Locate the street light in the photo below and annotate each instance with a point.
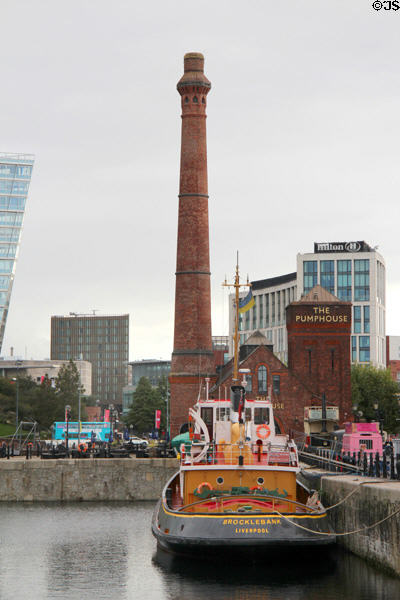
(67, 418)
(378, 415)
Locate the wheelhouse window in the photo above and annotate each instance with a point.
(261, 415)
(262, 379)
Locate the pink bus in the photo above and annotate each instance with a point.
(362, 436)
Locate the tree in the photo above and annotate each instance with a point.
(68, 387)
(370, 385)
(146, 400)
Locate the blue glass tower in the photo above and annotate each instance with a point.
(15, 176)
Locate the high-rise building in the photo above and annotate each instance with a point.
(351, 271)
(15, 176)
(101, 340)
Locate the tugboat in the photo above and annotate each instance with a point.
(237, 488)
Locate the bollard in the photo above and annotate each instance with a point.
(354, 459)
(398, 469)
(377, 465)
(371, 465)
(8, 452)
(384, 466)
(392, 471)
(365, 465)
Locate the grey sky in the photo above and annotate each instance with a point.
(303, 146)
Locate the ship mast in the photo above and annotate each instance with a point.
(236, 285)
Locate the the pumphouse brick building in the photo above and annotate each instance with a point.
(319, 329)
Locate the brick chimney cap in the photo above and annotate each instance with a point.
(193, 61)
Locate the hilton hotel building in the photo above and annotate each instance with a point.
(352, 271)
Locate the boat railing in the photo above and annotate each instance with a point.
(274, 500)
(244, 453)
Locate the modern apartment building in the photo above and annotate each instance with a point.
(352, 271)
(152, 369)
(15, 176)
(101, 340)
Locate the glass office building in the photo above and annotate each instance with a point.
(15, 177)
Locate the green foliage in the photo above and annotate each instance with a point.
(6, 430)
(68, 388)
(146, 400)
(42, 403)
(370, 385)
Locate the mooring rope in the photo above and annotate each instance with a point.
(337, 504)
(355, 490)
(342, 533)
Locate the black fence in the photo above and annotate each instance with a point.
(386, 466)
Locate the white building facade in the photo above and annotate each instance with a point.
(352, 271)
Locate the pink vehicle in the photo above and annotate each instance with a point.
(362, 436)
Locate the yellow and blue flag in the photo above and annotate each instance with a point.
(246, 303)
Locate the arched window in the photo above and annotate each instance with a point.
(203, 100)
(186, 100)
(262, 379)
(195, 99)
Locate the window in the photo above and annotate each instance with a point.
(249, 386)
(273, 308)
(247, 320)
(328, 275)
(364, 348)
(276, 384)
(344, 280)
(361, 279)
(357, 319)
(266, 310)
(260, 311)
(310, 273)
(354, 348)
(261, 416)
(366, 319)
(262, 379)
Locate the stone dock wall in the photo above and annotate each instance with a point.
(372, 501)
(84, 480)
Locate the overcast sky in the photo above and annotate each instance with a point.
(303, 146)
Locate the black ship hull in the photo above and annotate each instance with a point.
(235, 533)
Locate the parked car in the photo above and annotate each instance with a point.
(137, 441)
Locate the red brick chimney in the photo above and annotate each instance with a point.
(192, 357)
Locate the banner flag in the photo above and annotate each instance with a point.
(246, 303)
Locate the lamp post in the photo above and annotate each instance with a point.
(167, 402)
(111, 409)
(379, 417)
(357, 413)
(67, 418)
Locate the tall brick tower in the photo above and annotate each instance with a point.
(192, 357)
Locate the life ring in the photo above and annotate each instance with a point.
(256, 487)
(199, 488)
(183, 451)
(82, 448)
(190, 427)
(263, 431)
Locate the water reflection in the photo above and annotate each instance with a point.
(338, 576)
(103, 551)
